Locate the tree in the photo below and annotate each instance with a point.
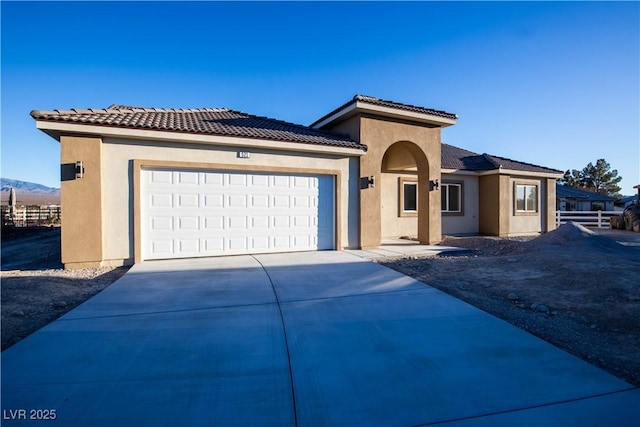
(598, 178)
(571, 179)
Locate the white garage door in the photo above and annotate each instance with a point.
(192, 214)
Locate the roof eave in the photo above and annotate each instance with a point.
(503, 171)
(56, 129)
(357, 106)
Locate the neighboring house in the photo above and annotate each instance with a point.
(574, 199)
(623, 203)
(145, 183)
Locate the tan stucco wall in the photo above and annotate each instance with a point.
(118, 189)
(424, 144)
(81, 201)
(528, 224)
(495, 210)
(550, 223)
(498, 216)
(394, 225)
(469, 223)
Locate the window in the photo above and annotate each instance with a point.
(410, 196)
(526, 198)
(451, 197)
(597, 206)
(408, 200)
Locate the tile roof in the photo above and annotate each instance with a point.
(565, 191)
(391, 104)
(205, 121)
(406, 107)
(460, 159)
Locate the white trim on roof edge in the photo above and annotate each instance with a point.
(513, 172)
(365, 107)
(154, 135)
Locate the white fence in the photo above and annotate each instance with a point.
(30, 216)
(598, 219)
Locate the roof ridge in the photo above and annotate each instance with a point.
(493, 161)
(298, 125)
(492, 156)
(460, 148)
(165, 110)
(400, 104)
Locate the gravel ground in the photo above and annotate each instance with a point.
(32, 299)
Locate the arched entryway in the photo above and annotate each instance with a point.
(404, 192)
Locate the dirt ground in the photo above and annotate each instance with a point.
(578, 290)
(35, 288)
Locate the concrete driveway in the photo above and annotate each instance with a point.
(317, 338)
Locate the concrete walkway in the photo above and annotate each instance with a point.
(318, 338)
(403, 247)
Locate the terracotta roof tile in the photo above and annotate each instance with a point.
(460, 159)
(206, 121)
(505, 163)
(391, 104)
(406, 107)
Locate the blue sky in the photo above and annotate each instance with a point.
(555, 84)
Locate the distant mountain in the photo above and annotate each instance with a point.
(28, 193)
(30, 187)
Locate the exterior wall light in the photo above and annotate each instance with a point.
(79, 169)
(367, 182)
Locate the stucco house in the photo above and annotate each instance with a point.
(575, 199)
(146, 183)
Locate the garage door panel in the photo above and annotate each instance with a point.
(213, 179)
(161, 177)
(260, 181)
(158, 200)
(213, 201)
(237, 180)
(161, 223)
(301, 202)
(280, 181)
(161, 247)
(213, 223)
(280, 201)
(260, 243)
(237, 201)
(280, 221)
(186, 178)
(238, 243)
(213, 245)
(259, 201)
(188, 200)
(301, 241)
(189, 213)
(189, 223)
(303, 221)
(188, 246)
(260, 222)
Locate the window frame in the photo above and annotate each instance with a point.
(446, 184)
(536, 186)
(402, 181)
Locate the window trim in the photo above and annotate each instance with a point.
(402, 181)
(442, 188)
(526, 212)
